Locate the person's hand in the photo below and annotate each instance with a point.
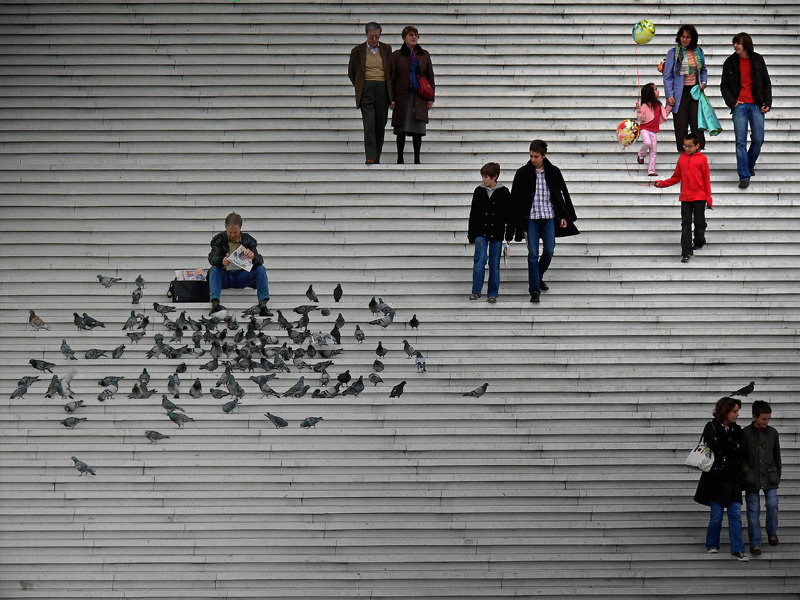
(702, 86)
(430, 104)
(737, 104)
(249, 254)
(563, 223)
(391, 106)
(765, 109)
(225, 261)
(671, 101)
(657, 184)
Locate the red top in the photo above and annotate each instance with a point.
(692, 171)
(745, 94)
(652, 125)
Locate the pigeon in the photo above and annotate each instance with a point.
(177, 335)
(267, 390)
(57, 386)
(155, 437)
(181, 368)
(302, 392)
(283, 322)
(79, 322)
(132, 321)
(211, 365)
(109, 380)
(330, 353)
(178, 418)
(385, 308)
(295, 388)
(345, 377)
(339, 322)
(28, 380)
(229, 406)
(219, 394)
(337, 292)
(478, 391)
(384, 321)
(235, 389)
(135, 336)
(163, 309)
(42, 365)
(397, 390)
(174, 385)
(375, 379)
(321, 338)
(82, 467)
(72, 421)
(359, 334)
(106, 394)
(414, 322)
(310, 422)
(67, 351)
(420, 362)
(311, 295)
(168, 405)
(139, 281)
(53, 388)
(373, 306)
(322, 366)
(378, 366)
(355, 388)
(324, 379)
(180, 322)
(94, 353)
(117, 352)
(301, 364)
(258, 379)
(144, 323)
(409, 349)
(91, 322)
(325, 311)
(107, 282)
(302, 322)
(304, 309)
(196, 391)
(36, 322)
(19, 392)
(336, 335)
(744, 391)
(136, 295)
(381, 351)
(331, 392)
(277, 421)
(225, 378)
(73, 406)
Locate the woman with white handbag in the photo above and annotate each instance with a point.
(721, 487)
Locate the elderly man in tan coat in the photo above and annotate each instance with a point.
(371, 70)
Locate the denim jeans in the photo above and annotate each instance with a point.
(491, 250)
(746, 159)
(219, 279)
(537, 267)
(734, 526)
(753, 513)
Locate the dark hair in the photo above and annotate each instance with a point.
(745, 40)
(649, 96)
(761, 408)
(491, 170)
(233, 219)
(407, 29)
(724, 406)
(692, 31)
(539, 146)
(372, 26)
(692, 136)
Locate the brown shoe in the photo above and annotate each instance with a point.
(773, 540)
(755, 550)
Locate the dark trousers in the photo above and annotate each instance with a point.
(686, 118)
(374, 113)
(693, 210)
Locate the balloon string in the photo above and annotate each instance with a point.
(627, 166)
(636, 54)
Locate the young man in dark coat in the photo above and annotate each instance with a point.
(225, 274)
(747, 90)
(542, 210)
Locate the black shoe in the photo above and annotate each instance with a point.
(697, 246)
(773, 539)
(264, 312)
(686, 258)
(535, 298)
(400, 160)
(474, 296)
(543, 286)
(755, 550)
(744, 184)
(752, 172)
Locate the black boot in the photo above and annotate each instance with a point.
(417, 141)
(401, 143)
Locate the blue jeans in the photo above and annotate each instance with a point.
(753, 513)
(494, 249)
(734, 526)
(537, 267)
(746, 159)
(219, 279)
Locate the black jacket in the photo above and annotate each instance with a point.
(731, 83)
(489, 216)
(763, 467)
(522, 191)
(723, 483)
(220, 248)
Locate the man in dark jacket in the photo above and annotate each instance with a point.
(542, 210)
(371, 70)
(747, 90)
(225, 273)
(761, 472)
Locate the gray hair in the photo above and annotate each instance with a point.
(372, 26)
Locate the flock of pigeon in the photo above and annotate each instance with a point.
(234, 348)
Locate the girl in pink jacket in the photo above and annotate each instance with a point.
(651, 113)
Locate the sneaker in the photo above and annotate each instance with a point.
(491, 300)
(744, 183)
(686, 258)
(713, 550)
(535, 298)
(755, 550)
(216, 308)
(741, 556)
(543, 286)
(773, 539)
(640, 160)
(474, 296)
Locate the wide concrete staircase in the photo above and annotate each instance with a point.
(130, 130)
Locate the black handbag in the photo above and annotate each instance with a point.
(189, 291)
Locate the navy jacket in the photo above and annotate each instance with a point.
(220, 248)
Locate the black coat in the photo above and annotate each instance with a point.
(731, 82)
(489, 216)
(522, 191)
(220, 248)
(402, 82)
(723, 483)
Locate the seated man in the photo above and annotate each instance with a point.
(224, 274)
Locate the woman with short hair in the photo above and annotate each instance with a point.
(685, 67)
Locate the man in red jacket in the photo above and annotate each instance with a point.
(693, 173)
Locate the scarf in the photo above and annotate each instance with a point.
(414, 67)
(682, 66)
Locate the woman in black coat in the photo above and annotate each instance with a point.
(721, 487)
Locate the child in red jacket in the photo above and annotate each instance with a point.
(693, 173)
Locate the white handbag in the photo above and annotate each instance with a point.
(701, 458)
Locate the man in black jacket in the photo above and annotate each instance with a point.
(226, 274)
(747, 90)
(542, 210)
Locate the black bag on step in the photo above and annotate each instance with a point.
(189, 291)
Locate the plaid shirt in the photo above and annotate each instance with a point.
(541, 208)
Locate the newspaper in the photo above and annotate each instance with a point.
(238, 259)
(506, 253)
(190, 275)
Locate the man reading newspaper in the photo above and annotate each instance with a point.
(236, 263)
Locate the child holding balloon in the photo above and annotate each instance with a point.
(651, 113)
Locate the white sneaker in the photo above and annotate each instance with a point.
(741, 556)
(713, 550)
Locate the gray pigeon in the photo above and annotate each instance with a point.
(179, 418)
(181, 368)
(277, 421)
(82, 467)
(94, 353)
(145, 392)
(420, 362)
(196, 391)
(139, 281)
(20, 392)
(331, 392)
(336, 335)
(107, 282)
(219, 394)
(67, 351)
(478, 391)
(136, 295)
(229, 406)
(744, 391)
(109, 380)
(311, 295)
(163, 309)
(345, 377)
(72, 421)
(154, 436)
(359, 334)
(168, 405)
(135, 336)
(373, 306)
(73, 406)
(397, 390)
(324, 378)
(322, 366)
(266, 390)
(144, 376)
(106, 394)
(339, 322)
(117, 352)
(378, 366)
(325, 311)
(302, 392)
(36, 322)
(295, 388)
(414, 322)
(384, 321)
(310, 422)
(28, 380)
(57, 387)
(375, 379)
(385, 308)
(79, 322)
(337, 292)
(355, 388)
(174, 385)
(91, 322)
(211, 365)
(144, 323)
(304, 309)
(381, 351)
(409, 349)
(42, 365)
